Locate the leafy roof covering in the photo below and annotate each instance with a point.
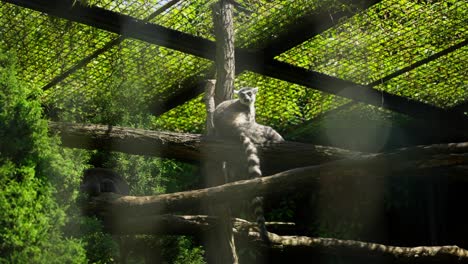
(380, 47)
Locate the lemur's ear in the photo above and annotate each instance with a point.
(236, 91)
(255, 90)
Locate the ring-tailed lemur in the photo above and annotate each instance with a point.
(234, 119)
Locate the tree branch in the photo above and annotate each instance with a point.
(196, 225)
(187, 147)
(422, 254)
(418, 161)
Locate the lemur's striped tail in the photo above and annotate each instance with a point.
(253, 163)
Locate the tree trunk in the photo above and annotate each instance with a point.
(210, 106)
(225, 61)
(220, 244)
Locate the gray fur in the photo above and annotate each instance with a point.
(233, 117)
(234, 120)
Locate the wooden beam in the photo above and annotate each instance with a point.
(460, 108)
(360, 93)
(122, 24)
(256, 62)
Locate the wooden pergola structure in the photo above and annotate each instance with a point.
(272, 57)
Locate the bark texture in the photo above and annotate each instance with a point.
(196, 225)
(188, 147)
(449, 159)
(223, 24)
(221, 247)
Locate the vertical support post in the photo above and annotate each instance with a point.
(210, 106)
(225, 58)
(220, 244)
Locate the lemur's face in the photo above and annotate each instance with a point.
(247, 95)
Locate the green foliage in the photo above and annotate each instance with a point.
(151, 176)
(181, 250)
(30, 217)
(188, 252)
(25, 204)
(100, 246)
(22, 132)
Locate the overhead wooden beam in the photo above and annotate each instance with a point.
(256, 62)
(122, 24)
(360, 93)
(460, 108)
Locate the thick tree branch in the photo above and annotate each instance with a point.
(422, 254)
(418, 161)
(196, 225)
(187, 147)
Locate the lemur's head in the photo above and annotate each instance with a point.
(247, 95)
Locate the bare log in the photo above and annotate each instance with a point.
(338, 247)
(419, 161)
(187, 147)
(196, 225)
(129, 140)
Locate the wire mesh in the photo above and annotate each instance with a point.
(256, 21)
(442, 82)
(153, 70)
(45, 46)
(192, 17)
(279, 104)
(388, 37)
(364, 48)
